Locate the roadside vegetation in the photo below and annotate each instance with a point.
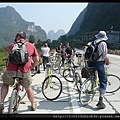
(3, 58)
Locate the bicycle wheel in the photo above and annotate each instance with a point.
(78, 81)
(13, 102)
(87, 92)
(113, 83)
(68, 75)
(52, 90)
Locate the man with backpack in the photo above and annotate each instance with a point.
(20, 70)
(99, 65)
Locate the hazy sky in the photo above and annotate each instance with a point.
(49, 16)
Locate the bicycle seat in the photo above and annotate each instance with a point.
(18, 78)
(52, 54)
(78, 54)
(48, 65)
(75, 66)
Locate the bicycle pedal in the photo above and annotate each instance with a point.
(91, 92)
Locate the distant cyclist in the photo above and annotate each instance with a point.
(69, 50)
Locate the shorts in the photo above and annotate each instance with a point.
(45, 59)
(8, 79)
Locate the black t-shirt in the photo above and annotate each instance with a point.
(68, 50)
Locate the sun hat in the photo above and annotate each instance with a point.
(101, 35)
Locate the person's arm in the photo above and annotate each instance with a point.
(72, 54)
(35, 63)
(35, 59)
(107, 61)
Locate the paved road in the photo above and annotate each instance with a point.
(68, 102)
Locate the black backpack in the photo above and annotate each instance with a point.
(19, 54)
(92, 53)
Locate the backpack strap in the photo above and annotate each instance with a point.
(98, 44)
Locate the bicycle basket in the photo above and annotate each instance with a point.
(86, 72)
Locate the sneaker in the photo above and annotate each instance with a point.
(101, 105)
(1, 108)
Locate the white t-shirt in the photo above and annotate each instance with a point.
(45, 51)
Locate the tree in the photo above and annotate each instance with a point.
(39, 44)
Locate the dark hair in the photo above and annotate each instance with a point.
(32, 41)
(21, 34)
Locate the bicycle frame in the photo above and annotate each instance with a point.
(79, 60)
(49, 72)
(67, 61)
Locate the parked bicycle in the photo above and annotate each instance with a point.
(52, 85)
(71, 75)
(91, 85)
(80, 60)
(56, 62)
(67, 64)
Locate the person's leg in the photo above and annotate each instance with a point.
(30, 95)
(43, 62)
(7, 80)
(4, 91)
(103, 84)
(27, 81)
(47, 59)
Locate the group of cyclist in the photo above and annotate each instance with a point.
(66, 51)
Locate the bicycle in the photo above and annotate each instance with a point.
(17, 95)
(52, 85)
(67, 64)
(80, 60)
(91, 85)
(71, 75)
(56, 62)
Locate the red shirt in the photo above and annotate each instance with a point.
(32, 51)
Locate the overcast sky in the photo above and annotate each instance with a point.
(49, 16)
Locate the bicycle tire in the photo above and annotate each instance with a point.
(61, 67)
(68, 75)
(78, 81)
(85, 95)
(13, 102)
(113, 83)
(52, 92)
